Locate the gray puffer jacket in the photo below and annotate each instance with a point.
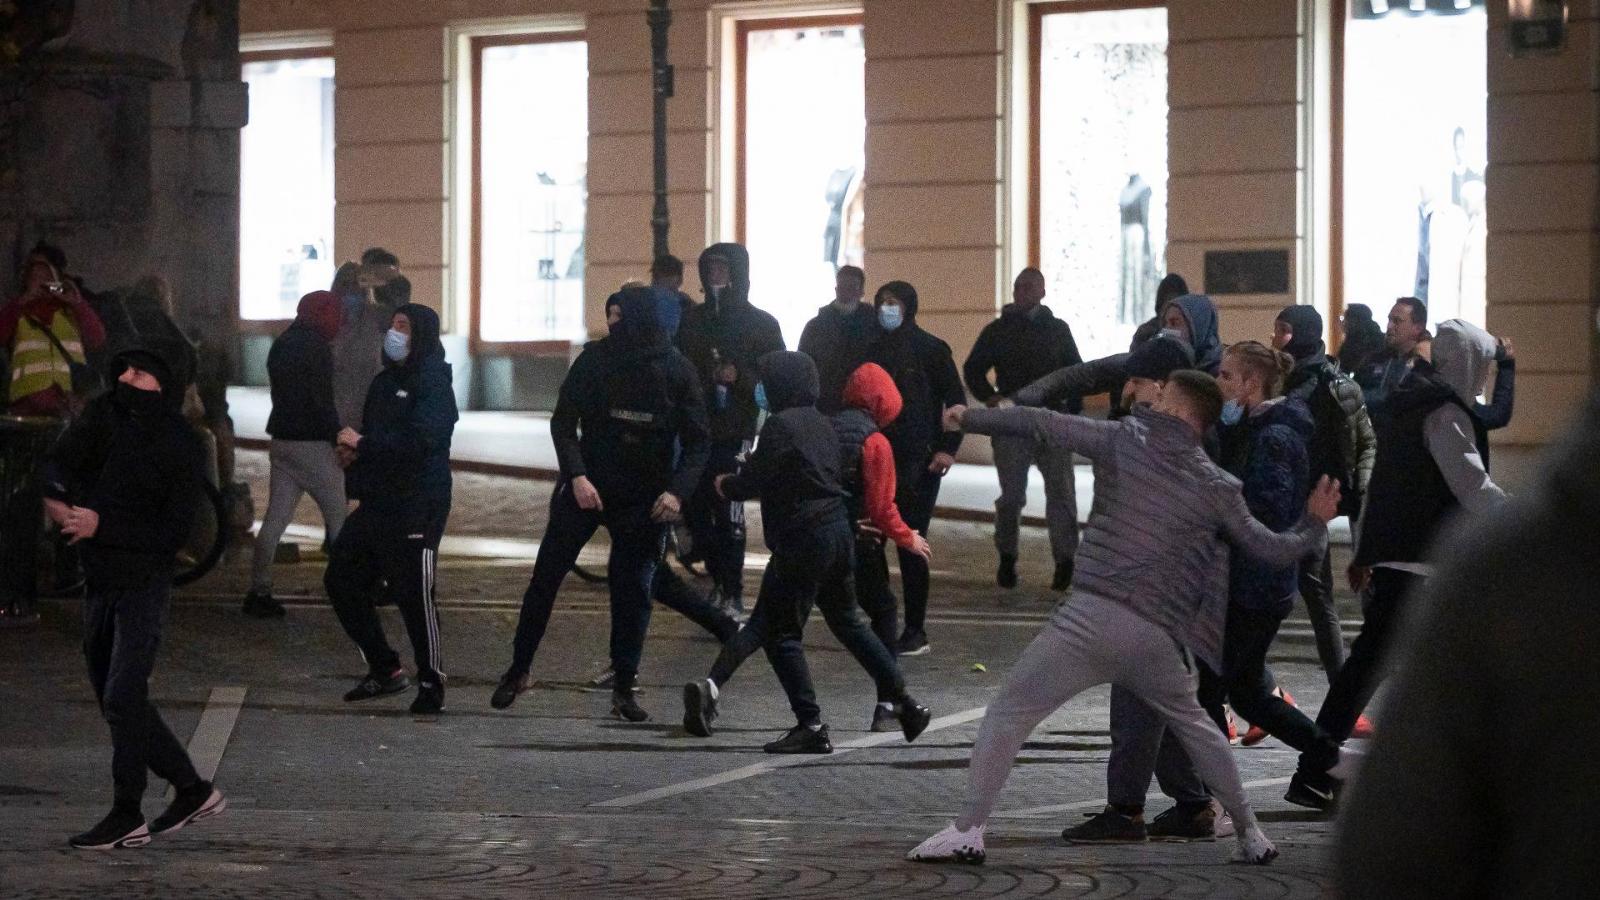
(1164, 517)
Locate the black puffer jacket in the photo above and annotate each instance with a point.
(728, 329)
(924, 370)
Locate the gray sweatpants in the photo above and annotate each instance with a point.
(1090, 641)
(1012, 458)
(298, 467)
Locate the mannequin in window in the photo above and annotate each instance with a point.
(1138, 269)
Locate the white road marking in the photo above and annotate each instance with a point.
(781, 762)
(215, 728)
(1036, 812)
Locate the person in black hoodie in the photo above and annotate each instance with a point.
(399, 470)
(1025, 344)
(723, 338)
(925, 372)
(1171, 288)
(795, 471)
(1363, 339)
(1343, 447)
(838, 337)
(123, 483)
(631, 436)
(304, 426)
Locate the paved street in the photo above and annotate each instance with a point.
(553, 796)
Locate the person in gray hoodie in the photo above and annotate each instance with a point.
(1149, 594)
(1430, 466)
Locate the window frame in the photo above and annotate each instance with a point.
(274, 327)
(741, 90)
(476, 45)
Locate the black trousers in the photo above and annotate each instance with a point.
(816, 569)
(717, 525)
(874, 594)
(916, 495)
(670, 590)
(399, 547)
(1246, 683)
(121, 632)
(637, 544)
(1367, 666)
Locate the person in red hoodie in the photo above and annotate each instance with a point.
(866, 489)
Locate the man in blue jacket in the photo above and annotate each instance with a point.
(399, 470)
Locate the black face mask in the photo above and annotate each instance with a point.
(140, 403)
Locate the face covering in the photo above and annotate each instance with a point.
(137, 401)
(396, 345)
(1232, 412)
(891, 317)
(761, 397)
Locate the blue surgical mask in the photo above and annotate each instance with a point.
(891, 317)
(761, 397)
(1232, 412)
(396, 345)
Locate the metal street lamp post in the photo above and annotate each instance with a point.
(660, 18)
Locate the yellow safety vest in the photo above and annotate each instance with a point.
(36, 364)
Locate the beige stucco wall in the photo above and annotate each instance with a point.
(946, 199)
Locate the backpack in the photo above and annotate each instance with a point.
(1331, 447)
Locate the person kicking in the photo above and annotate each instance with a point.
(1148, 597)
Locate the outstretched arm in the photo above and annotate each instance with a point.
(1083, 435)
(1097, 376)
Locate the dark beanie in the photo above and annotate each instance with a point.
(1159, 357)
(1306, 323)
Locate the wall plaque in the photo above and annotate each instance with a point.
(1247, 271)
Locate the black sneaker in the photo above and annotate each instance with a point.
(912, 643)
(512, 684)
(1108, 827)
(801, 739)
(1314, 790)
(201, 801)
(699, 708)
(884, 718)
(1063, 578)
(1006, 575)
(261, 605)
(430, 699)
(913, 717)
(1185, 823)
(375, 685)
(118, 830)
(626, 708)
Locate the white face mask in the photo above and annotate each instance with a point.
(396, 345)
(891, 317)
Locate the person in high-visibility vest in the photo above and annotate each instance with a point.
(46, 330)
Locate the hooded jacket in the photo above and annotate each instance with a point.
(407, 422)
(794, 468)
(1363, 339)
(1021, 347)
(630, 416)
(1344, 445)
(728, 329)
(871, 401)
(924, 370)
(837, 342)
(1268, 453)
(300, 368)
(1201, 315)
(1432, 452)
(139, 468)
(1163, 520)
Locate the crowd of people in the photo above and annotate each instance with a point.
(1217, 469)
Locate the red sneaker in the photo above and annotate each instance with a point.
(1363, 730)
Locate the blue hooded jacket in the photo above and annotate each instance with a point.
(1202, 316)
(1268, 452)
(407, 423)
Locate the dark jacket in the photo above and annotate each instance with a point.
(1345, 446)
(627, 406)
(141, 471)
(1496, 414)
(1108, 374)
(1379, 377)
(837, 343)
(407, 422)
(924, 370)
(1267, 452)
(1362, 343)
(728, 329)
(1021, 348)
(300, 367)
(795, 468)
(1495, 674)
(1201, 314)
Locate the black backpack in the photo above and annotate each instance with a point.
(1330, 449)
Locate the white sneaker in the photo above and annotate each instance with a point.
(951, 845)
(1254, 849)
(1222, 823)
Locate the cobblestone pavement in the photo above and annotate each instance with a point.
(552, 796)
